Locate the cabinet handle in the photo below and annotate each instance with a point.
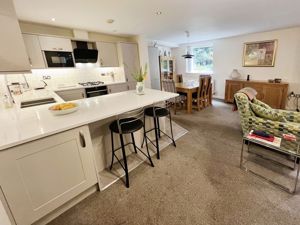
(60, 48)
(54, 48)
(82, 140)
(109, 90)
(82, 94)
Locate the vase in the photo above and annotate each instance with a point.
(140, 88)
(235, 74)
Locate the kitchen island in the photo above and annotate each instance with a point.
(48, 163)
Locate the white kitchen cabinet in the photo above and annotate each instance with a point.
(129, 57)
(40, 176)
(13, 56)
(115, 88)
(55, 44)
(70, 95)
(107, 54)
(34, 51)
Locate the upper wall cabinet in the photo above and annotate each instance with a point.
(129, 56)
(13, 56)
(55, 44)
(34, 51)
(108, 54)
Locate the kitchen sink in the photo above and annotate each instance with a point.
(37, 102)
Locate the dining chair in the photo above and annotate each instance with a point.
(168, 85)
(202, 98)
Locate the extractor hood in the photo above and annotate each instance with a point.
(83, 54)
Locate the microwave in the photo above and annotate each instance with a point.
(59, 59)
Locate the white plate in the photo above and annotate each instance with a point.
(64, 111)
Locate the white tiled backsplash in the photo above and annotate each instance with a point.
(66, 76)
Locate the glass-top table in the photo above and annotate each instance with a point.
(287, 147)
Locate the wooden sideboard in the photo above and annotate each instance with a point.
(274, 94)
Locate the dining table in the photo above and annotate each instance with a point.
(189, 88)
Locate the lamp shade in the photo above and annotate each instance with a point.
(235, 74)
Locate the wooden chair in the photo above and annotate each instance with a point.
(207, 90)
(169, 86)
(203, 97)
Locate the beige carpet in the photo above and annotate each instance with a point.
(199, 182)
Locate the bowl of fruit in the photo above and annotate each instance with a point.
(63, 108)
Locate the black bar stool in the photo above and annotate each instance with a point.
(157, 112)
(127, 125)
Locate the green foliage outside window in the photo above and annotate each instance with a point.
(203, 59)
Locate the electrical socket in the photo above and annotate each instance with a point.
(47, 77)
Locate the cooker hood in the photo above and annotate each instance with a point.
(83, 54)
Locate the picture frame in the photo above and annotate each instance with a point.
(260, 53)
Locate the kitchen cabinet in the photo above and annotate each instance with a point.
(40, 176)
(70, 95)
(34, 51)
(107, 54)
(115, 88)
(13, 56)
(273, 94)
(55, 44)
(129, 57)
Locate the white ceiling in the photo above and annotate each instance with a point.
(205, 19)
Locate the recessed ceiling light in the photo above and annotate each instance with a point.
(110, 21)
(53, 19)
(158, 13)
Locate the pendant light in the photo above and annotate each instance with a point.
(188, 55)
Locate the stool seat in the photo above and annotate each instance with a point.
(128, 125)
(160, 112)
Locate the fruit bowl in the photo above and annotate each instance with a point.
(63, 108)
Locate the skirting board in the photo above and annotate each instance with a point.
(108, 177)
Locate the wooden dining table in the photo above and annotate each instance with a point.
(188, 88)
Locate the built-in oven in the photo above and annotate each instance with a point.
(96, 91)
(59, 59)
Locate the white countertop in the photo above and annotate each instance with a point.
(18, 126)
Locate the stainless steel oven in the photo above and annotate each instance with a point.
(59, 59)
(96, 91)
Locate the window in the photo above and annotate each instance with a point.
(202, 60)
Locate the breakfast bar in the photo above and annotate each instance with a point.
(48, 162)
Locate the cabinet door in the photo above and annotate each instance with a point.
(258, 87)
(55, 44)
(231, 89)
(108, 54)
(273, 96)
(117, 88)
(13, 56)
(34, 51)
(70, 95)
(130, 59)
(39, 176)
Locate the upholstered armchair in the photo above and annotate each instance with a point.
(250, 121)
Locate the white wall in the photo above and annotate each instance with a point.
(228, 55)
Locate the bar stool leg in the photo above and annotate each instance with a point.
(112, 150)
(158, 126)
(156, 138)
(171, 127)
(148, 149)
(125, 161)
(144, 136)
(133, 142)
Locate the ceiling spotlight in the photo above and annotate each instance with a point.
(158, 13)
(110, 21)
(53, 19)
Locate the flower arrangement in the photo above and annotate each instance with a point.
(141, 74)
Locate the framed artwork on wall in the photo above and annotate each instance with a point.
(260, 53)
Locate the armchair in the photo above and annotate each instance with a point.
(250, 121)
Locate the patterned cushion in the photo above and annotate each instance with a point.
(267, 113)
(260, 103)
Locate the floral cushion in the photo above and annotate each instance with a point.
(260, 103)
(267, 113)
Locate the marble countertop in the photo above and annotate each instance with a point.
(19, 126)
